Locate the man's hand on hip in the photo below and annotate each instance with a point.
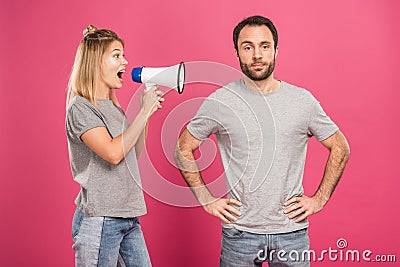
(303, 206)
(221, 208)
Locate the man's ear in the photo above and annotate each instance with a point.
(276, 51)
(236, 53)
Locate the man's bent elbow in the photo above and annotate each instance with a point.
(179, 152)
(346, 152)
(343, 149)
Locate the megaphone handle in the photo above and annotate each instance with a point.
(149, 85)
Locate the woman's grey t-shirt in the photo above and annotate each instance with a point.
(107, 189)
(262, 139)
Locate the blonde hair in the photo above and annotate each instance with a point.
(86, 72)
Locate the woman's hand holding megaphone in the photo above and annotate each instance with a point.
(151, 100)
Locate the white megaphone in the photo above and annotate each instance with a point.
(173, 77)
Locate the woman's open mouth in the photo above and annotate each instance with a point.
(120, 73)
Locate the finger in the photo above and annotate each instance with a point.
(302, 217)
(296, 213)
(233, 210)
(158, 93)
(229, 216)
(161, 99)
(152, 90)
(222, 217)
(291, 208)
(292, 200)
(234, 202)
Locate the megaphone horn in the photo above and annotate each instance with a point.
(173, 76)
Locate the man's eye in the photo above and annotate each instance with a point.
(116, 56)
(265, 47)
(247, 48)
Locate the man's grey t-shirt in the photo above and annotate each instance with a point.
(262, 139)
(107, 189)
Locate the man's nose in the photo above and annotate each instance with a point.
(257, 53)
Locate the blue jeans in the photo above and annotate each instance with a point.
(108, 241)
(244, 249)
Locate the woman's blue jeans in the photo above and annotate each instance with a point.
(108, 242)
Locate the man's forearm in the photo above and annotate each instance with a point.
(190, 172)
(338, 157)
(304, 206)
(219, 207)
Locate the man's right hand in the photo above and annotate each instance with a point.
(221, 208)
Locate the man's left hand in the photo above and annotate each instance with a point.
(303, 207)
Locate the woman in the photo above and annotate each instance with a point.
(103, 151)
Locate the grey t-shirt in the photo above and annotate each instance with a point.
(106, 189)
(262, 139)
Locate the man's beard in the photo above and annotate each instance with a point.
(253, 75)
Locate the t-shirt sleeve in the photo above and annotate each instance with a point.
(320, 125)
(205, 122)
(80, 119)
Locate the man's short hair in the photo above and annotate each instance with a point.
(255, 21)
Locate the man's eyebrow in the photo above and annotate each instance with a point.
(116, 49)
(245, 42)
(249, 42)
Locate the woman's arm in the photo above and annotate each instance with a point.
(113, 150)
(141, 142)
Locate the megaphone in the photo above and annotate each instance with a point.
(173, 76)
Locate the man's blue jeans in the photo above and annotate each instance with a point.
(108, 241)
(244, 249)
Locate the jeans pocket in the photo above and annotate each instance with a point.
(232, 232)
(76, 223)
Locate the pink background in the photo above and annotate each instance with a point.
(345, 52)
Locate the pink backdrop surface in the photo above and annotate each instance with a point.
(346, 52)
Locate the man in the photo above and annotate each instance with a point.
(262, 126)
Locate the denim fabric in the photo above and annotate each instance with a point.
(244, 249)
(108, 242)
